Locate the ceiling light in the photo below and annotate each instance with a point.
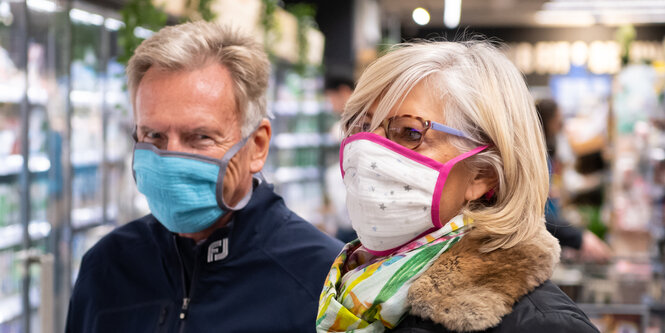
(6, 16)
(607, 12)
(603, 4)
(565, 18)
(451, 13)
(142, 32)
(42, 5)
(85, 17)
(420, 16)
(113, 24)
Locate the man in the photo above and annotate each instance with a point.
(220, 251)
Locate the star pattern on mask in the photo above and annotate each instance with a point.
(373, 165)
(407, 188)
(382, 206)
(425, 208)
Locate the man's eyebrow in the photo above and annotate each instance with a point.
(145, 129)
(207, 130)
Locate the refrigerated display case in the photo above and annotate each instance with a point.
(63, 110)
(25, 82)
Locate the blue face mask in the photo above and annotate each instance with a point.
(184, 191)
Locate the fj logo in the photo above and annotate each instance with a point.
(214, 248)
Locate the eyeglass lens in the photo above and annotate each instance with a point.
(405, 131)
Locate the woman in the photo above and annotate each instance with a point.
(449, 217)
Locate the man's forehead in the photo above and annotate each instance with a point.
(196, 97)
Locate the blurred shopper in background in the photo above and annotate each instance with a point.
(446, 173)
(220, 251)
(338, 89)
(591, 248)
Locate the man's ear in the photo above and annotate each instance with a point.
(260, 143)
(481, 183)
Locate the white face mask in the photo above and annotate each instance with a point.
(393, 193)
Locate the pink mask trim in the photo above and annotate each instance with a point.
(443, 169)
(441, 181)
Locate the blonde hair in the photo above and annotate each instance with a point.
(482, 94)
(193, 45)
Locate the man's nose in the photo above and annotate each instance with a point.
(175, 144)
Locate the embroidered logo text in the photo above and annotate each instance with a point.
(214, 253)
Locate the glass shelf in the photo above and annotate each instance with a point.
(12, 235)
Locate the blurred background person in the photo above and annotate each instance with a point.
(338, 89)
(588, 245)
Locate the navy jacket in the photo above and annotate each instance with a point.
(261, 273)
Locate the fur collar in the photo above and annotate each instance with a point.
(466, 290)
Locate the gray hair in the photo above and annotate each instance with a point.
(192, 45)
(481, 93)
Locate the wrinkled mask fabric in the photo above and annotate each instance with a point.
(184, 191)
(393, 193)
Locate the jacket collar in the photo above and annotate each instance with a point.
(466, 290)
(233, 239)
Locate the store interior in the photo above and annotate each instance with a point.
(66, 123)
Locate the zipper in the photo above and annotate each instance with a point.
(187, 292)
(185, 306)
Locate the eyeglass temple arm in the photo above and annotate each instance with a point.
(449, 130)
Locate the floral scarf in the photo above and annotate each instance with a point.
(364, 293)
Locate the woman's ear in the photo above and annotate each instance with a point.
(481, 183)
(260, 143)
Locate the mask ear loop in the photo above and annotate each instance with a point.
(220, 178)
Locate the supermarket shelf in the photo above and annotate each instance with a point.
(89, 217)
(85, 218)
(11, 165)
(39, 163)
(12, 235)
(295, 174)
(292, 107)
(627, 309)
(14, 94)
(10, 307)
(304, 140)
(645, 311)
(82, 218)
(82, 98)
(79, 98)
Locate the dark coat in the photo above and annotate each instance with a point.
(506, 290)
(544, 310)
(261, 273)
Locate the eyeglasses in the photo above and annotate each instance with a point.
(406, 130)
